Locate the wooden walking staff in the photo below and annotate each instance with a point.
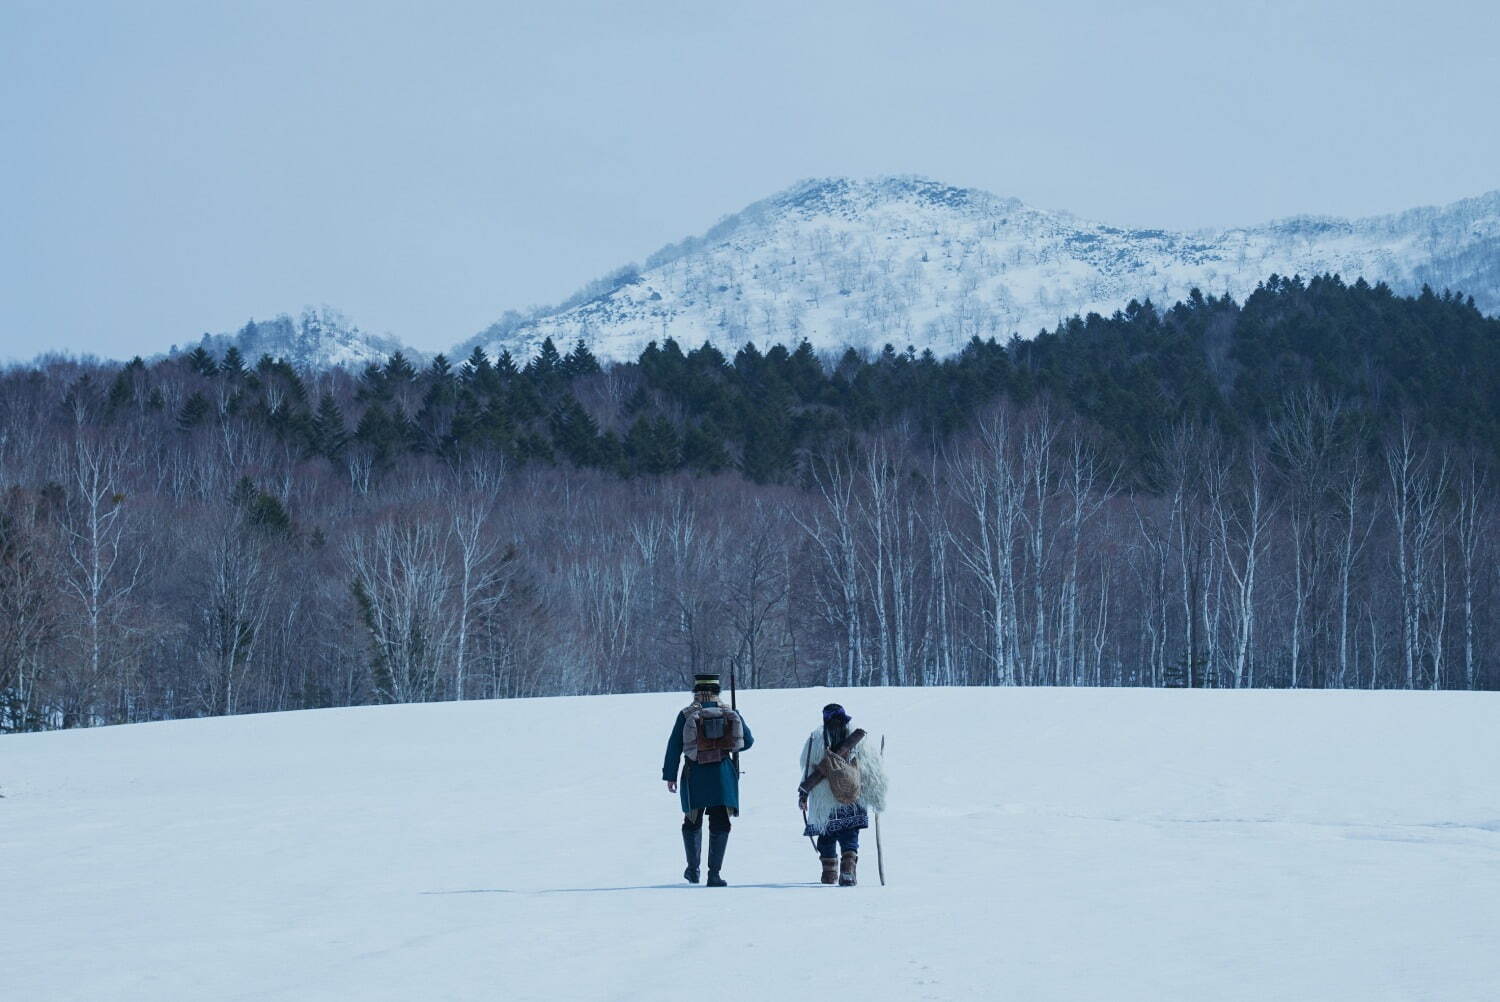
(879, 852)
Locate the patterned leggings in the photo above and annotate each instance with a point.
(830, 844)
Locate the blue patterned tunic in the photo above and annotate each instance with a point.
(843, 818)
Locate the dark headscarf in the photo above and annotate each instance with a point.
(835, 724)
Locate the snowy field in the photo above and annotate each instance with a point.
(1041, 844)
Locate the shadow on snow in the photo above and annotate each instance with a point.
(636, 887)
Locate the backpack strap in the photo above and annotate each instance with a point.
(845, 750)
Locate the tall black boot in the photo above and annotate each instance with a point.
(692, 844)
(717, 842)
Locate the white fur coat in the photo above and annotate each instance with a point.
(872, 779)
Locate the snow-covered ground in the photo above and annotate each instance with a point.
(1040, 844)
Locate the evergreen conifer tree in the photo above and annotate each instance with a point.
(399, 370)
(194, 411)
(580, 361)
(233, 365)
(329, 432)
(476, 370)
(201, 362)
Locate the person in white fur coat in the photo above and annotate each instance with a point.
(837, 826)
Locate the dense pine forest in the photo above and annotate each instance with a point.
(1293, 491)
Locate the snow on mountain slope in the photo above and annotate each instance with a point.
(320, 339)
(1077, 844)
(909, 261)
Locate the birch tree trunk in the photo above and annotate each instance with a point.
(484, 565)
(1349, 496)
(1241, 525)
(831, 529)
(101, 575)
(1403, 465)
(1471, 521)
(401, 586)
(988, 481)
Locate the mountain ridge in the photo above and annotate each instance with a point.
(844, 262)
(909, 260)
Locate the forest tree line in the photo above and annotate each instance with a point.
(1294, 491)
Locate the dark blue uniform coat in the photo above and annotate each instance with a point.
(702, 785)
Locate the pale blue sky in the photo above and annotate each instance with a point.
(171, 168)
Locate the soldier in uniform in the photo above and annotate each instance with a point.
(705, 737)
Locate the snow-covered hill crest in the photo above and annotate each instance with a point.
(319, 339)
(910, 261)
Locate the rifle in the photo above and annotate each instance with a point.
(734, 704)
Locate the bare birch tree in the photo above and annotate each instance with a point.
(989, 481)
(483, 581)
(1472, 523)
(1418, 481)
(1354, 515)
(831, 529)
(102, 571)
(401, 587)
(1241, 524)
(236, 598)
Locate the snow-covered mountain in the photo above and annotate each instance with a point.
(911, 261)
(1119, 844)
(319, 339)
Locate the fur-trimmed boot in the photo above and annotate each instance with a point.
(846, 868)
(830, 869)
(692, 845)
(717, 843)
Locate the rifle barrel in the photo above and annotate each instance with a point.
(734, 704)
